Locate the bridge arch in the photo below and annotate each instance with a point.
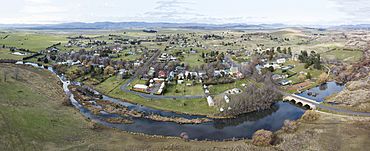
(301, 101)
(308, 106)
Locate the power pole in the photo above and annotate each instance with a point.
(5, 75)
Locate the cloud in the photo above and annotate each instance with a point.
(167, 10)
(33, 7)
(356, 10)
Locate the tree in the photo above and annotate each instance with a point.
(262, 138)
(310, 115)
(290, 126)
(308, 76)
(278, 49)
(284, 50)
(301, 77)
(322, 78)
(108, 70)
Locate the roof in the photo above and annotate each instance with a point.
(140, 86)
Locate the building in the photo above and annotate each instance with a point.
(281, 60)
(162, 74)
(122, 74)
(210, 101)
(227, 99)
(285, 82)
(140, 87)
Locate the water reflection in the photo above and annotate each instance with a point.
(319, 93)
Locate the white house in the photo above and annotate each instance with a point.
(210, 101)
(281, 60)
(227, 100)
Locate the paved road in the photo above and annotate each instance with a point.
(344, 111)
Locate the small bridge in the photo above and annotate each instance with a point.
(311, 104)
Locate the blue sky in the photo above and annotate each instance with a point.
(305, 12)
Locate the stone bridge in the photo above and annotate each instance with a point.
(311, 104)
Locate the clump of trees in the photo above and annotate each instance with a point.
(312, 59)
(262, 138)
(254, 98)
(310, 115)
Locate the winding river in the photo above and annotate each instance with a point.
(240, 127)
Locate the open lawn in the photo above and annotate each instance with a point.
(109, 85)
(220, 88)
(183, 90)
(193, 59)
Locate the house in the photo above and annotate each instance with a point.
(287, 67)
(272, 64)
(234, 91)
(227, 99)
(285, 82)
(234, 70)
(151, 72)
(281, 60)
(162, 74)
(123, 73)
(140, 87)
(210, 101)
(161, 88)
(181, 76)
(206, 91)
(276, 77)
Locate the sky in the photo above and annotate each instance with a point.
(292, 12)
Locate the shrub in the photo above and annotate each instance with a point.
(290, 126)
(310, 115)
(262, 138)
(184, 135)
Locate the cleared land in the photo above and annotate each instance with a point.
(37, 120)
(6, 54)
(31, 40)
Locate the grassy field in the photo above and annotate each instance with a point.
(196, 89)
(33, 118)
(33, 41)
(343, 55)
(6, 54)
(111, 87)
(193, 59)
(298, 67)
(220, 88)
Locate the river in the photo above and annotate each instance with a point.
(243, 126)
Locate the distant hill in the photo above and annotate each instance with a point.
(357, 26)
(148, 25)
(128, 25)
